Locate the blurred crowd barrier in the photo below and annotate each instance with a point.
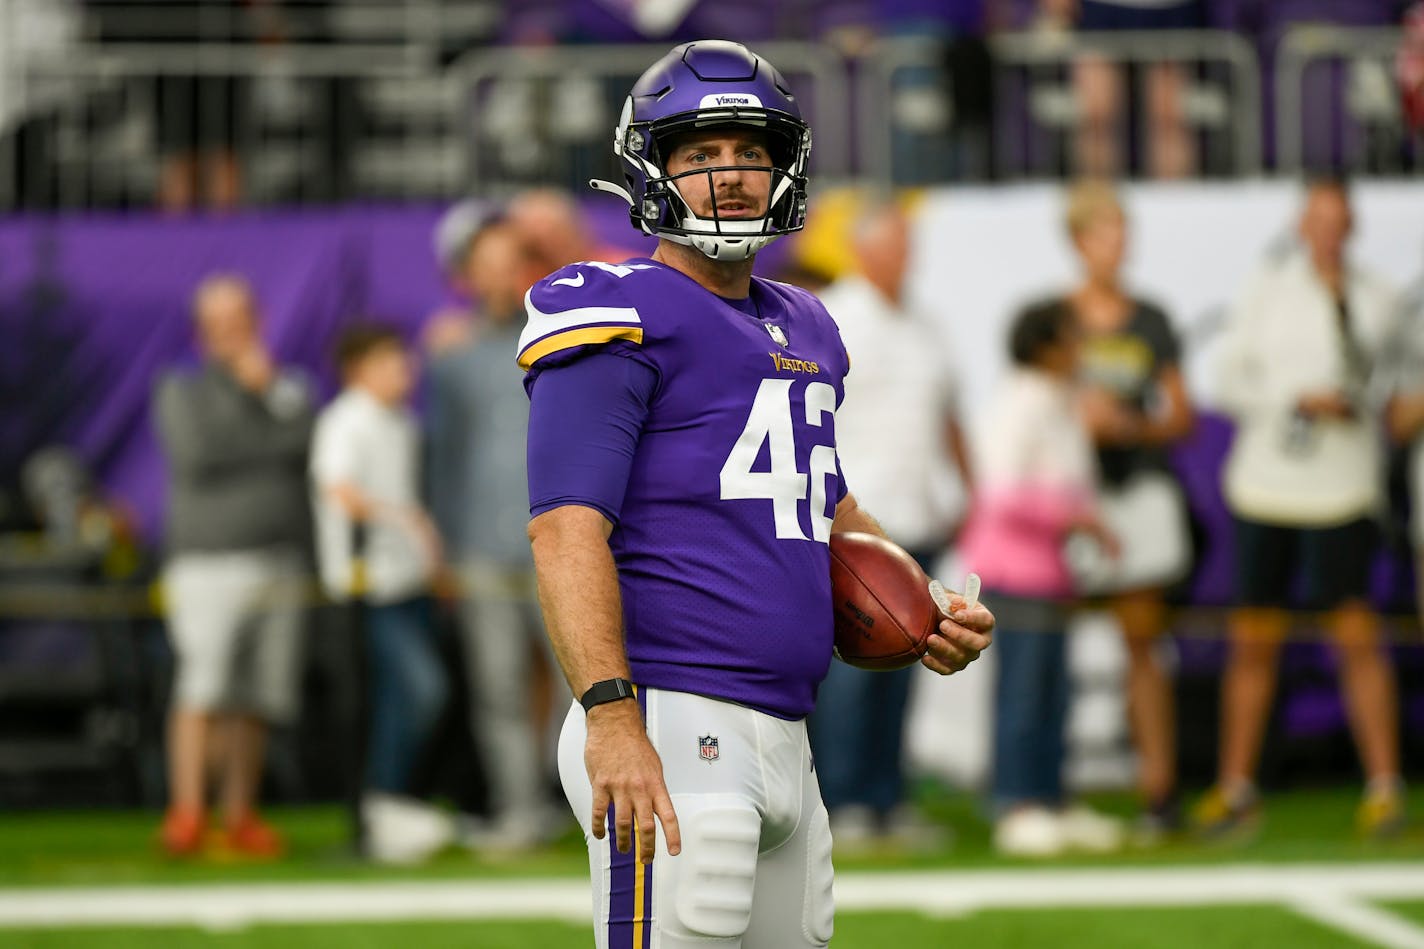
(108, 105)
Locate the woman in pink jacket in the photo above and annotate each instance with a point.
(1037, 486)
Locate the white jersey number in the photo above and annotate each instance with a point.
(770, 423)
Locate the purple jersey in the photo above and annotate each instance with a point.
(722, 538)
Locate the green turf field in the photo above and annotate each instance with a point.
(47, 854)
(94, 847)
(1228, 928)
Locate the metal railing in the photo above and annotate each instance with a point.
(1042, 60)
(822, 98)
(431, 125)
(1368, 96)
(1240, 93)
(103, 131)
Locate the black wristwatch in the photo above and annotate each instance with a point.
(609, 690)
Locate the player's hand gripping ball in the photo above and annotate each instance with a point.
(884, 611)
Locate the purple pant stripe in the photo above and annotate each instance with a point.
(647, 906)
(620, 891)
(622, 881)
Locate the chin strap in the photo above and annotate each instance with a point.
(598, 184)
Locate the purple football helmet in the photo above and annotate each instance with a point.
(698, 85)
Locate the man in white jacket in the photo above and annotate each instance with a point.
(1303, 481)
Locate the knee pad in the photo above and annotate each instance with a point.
(818, 920)
(716, 877)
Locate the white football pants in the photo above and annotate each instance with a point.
(755, 867)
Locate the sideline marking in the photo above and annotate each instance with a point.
(1333, 895)
(1371, 923)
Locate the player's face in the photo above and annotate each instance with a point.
(741, 190)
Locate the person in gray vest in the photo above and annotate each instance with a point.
(235, 436)
(479, 496)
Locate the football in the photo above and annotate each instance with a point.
(884, 612)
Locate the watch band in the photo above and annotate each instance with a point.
(609, 690)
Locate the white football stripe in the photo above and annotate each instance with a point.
(1332, 894)
(542, 324)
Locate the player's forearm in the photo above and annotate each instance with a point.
(578, 591)
(850, 516)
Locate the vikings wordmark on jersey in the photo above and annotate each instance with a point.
(722, 544)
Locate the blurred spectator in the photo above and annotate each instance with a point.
(895, 460)
(1409, 67)
(1302, 480)
(1036, 486)
(72, 510)
(550, 222)
(1134, 403)
(1403, 384)
(478, 418)
(376, 543)
(1102, 93)
(453, 323)
(235, 435)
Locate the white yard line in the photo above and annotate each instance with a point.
(1370, 923)
(1332, 894)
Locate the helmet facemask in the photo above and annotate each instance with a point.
(657, 205)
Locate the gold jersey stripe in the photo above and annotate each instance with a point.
(577, 337)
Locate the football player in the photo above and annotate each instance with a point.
(683, 488)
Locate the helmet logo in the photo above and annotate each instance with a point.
(725, 100)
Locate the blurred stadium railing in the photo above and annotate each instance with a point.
(412, 100)
(1222, 102)
(1326, 78)
(548, 114)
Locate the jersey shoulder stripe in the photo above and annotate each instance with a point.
(579, 305)
(548, 333)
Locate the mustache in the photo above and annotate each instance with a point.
(734, 192)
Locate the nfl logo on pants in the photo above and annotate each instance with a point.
(707, 747)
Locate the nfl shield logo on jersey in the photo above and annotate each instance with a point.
(707, 748)
(778, 334)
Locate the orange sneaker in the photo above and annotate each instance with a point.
(252, 837)
(182, 832)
